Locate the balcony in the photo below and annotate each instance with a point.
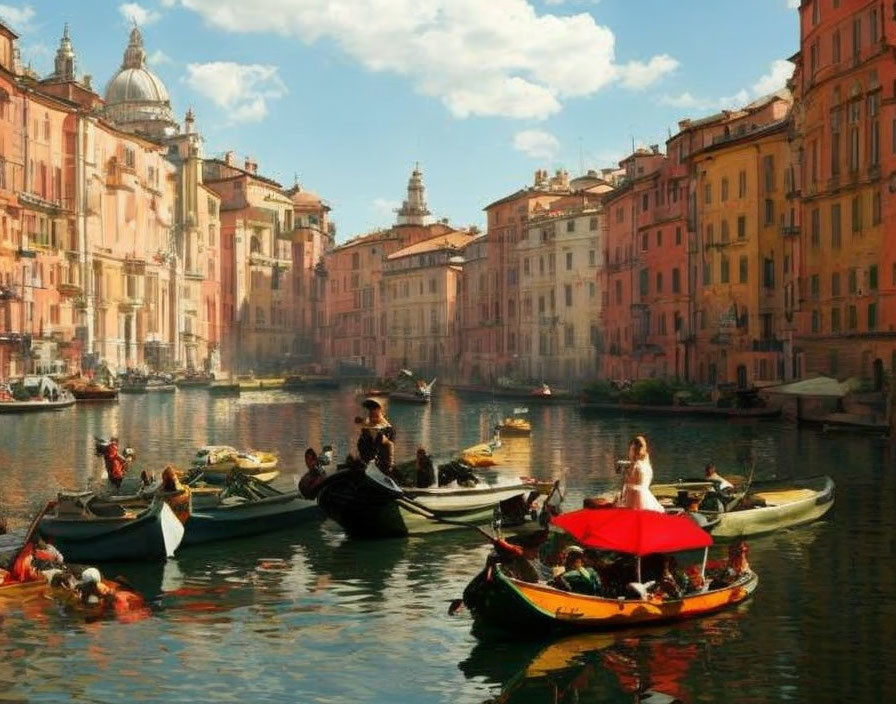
(768, 345)
(259, 259)
(300, 234)
(128, 304)
(69, 290)
(193, 274)
(790, 230)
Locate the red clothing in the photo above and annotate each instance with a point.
(114, 463)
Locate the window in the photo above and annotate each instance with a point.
(769, 212)
(645, 202)
(853, 321)
(816, 12)
(856, 215)
(724, 191)
(592, 289)
(875, 208)
(835, 284)
(643, 282)
(872, 316)
(835, 319)
(618, 292)
(741, 227)
(815, 228)
(592, 224)
(814, 287)
(872, 278)
(853, 281)
(659, 282)
(768, 168)
(569, 336)
(567, 289)
(742, 184)
(816, 321)
(835, 154)
(592, 258)
(570, 225)
(725, 271)
(707, 193)
(835, 226)
(744, 264)
(526, 266)
(676, 281)
(541, 304)
(709, 234)
(707, 273)
(659, 238)
(678, 235)
(569, 261)
(768, 273)
(856, 38)
(725, 236)
(835, 46)
(644, 242)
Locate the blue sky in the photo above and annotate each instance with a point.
(348, 94)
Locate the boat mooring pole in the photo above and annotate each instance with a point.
(703, 566)
(639, 569)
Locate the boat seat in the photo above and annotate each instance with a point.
(105, 510)
(233, 500)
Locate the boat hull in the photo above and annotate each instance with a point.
(35, 406)
(789, 503)
(366, 509)
(251, 518)
(501, 601)
(153, 534)
(408, 397)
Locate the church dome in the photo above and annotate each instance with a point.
(136, 99)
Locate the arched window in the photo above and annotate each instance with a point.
(254, 245)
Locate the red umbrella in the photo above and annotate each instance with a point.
(634, 531)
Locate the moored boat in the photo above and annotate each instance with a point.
(217, 461)
(514, 427)
(224, 388)
(91, 391)
(766, 506)
(368, 504)
(34, 393)
(160, 386)
(88, 530)
(199, 381)
(497, 597)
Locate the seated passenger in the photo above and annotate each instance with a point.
(516, 560)
(673, 583)
(425, 473)
(578, 578)
(722, 485)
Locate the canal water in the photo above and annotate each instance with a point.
(308, 616)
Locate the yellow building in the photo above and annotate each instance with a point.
(560, 306)
(422, 283)
(745, 258)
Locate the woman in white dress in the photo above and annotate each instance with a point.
(636, 478)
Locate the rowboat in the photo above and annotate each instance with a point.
(768, 506)
(497, 597)
(88, 530)
(91, 391)
(515, 427)
(249, 507)
(368, 504)
(37, 393)
(217, 461)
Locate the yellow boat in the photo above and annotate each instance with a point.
(515, 427)
(220, 460)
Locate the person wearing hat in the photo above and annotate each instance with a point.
(578, 578)
(516, 559)
(116, 464)
(377, 435)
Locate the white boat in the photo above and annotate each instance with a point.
(217, 461)
(43, 394)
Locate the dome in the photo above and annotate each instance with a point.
(135, 85)
(136, 99)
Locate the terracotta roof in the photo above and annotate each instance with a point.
(450, 240)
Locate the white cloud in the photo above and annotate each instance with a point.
(637, 75)
(385, 207)
(19, 18)
(242, 90)
(776, 78)
(537, 144)
(159, 57)
(134, 12)
(793, 4)
(495, 58)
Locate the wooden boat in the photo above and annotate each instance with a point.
(88, 530)
(411, 396)
(787, 503)
(160, 386)
(499, 598)
(516, 605)
(91, 391)
(193, 382)
(515, 427)
(368, 504)
(217, 461)
(303, 383)
(224, 388)
(38, 393)
(705, 411)
(246, 507)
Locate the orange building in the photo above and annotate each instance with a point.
(357, 320)
(743, 252)
(847, 155)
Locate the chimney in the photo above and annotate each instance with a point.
(88, 81)
(189, 120)
(250, 166)
(229, 158)
(655, 148)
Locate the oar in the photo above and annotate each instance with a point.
(426, 513)
(35, 522)
(734, 504)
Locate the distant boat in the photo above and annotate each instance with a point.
(217, 461)
(34, 393)
(224, 388)
(85, 390)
